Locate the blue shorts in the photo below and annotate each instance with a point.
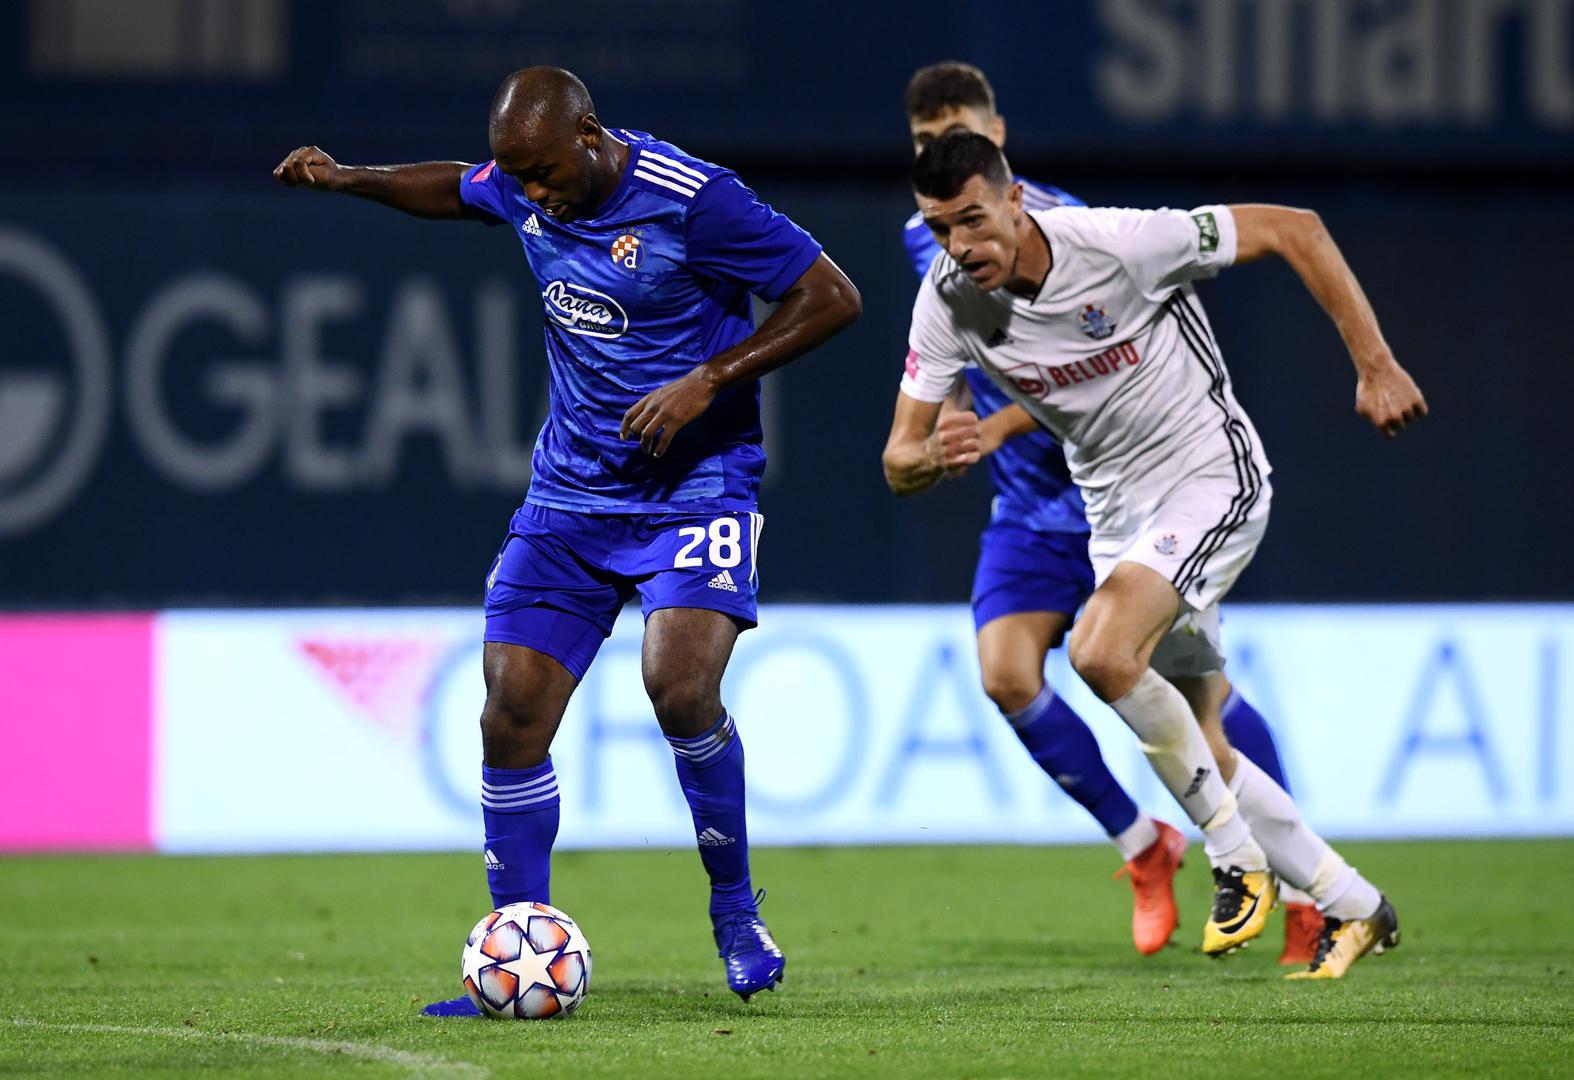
(1021, 569)
(561, 577)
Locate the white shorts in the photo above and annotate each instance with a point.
(1200, 538)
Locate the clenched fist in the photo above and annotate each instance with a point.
(1389, 398)
(309, 167)
(955, 443)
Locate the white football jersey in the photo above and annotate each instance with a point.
(1114, 356)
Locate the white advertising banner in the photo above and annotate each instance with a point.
(349, 730)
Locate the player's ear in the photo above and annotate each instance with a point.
(590, 131)
(997, 130)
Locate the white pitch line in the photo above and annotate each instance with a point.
(418, 1064)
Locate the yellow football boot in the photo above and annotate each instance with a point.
(1242, 901)
(1343, 943)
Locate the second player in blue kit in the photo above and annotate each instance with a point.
(647, 471)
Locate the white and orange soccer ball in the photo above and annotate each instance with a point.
(526, 962)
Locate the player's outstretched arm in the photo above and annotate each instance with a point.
(818, 305)
(429, 189)
(1384, 393)
(926, 445)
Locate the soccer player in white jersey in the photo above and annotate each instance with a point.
(1089, 321)
(1033, 575)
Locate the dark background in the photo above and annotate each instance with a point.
(312, 400)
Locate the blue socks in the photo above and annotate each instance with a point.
(1064, 747)
(710, 770)
(521, 811)
(1249, 733)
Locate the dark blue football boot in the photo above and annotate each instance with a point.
(459, 1006)
(754, 963)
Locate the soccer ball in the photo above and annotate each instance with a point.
(526, 962)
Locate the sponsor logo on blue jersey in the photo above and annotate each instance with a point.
(585, 311)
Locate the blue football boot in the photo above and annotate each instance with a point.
(459, 1006)
(753, 961)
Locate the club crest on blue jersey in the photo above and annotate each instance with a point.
(628, 252)
(1096, 323)
(585, 311)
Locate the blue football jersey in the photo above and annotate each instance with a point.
(1029, 471)
(655, 281)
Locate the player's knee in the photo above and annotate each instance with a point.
(685, 703)
(1011, 688)
(1109, 671)
(512, 730)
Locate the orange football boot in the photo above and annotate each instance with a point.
(1303, 928)
(1153, 913)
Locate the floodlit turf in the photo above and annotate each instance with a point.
(920, 962)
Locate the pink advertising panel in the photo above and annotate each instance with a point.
(75, 732)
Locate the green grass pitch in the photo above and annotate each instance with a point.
(902, 962)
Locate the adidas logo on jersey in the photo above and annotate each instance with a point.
(492, 861)
(723, 580)
(715, 838)
(532, 226)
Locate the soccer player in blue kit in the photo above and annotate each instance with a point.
(648, 467)
(1033, 572)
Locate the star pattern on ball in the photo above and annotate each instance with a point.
(531, 967)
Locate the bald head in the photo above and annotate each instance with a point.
(545, 134)
(540, 103)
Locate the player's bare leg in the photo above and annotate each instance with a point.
(1012, 650)
(1011, 654)
(527, 693)
(685, 655)
(1111, 646)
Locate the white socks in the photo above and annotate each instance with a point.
(1297, 854)
(1137, 837)
(1342, 892)
(1294, 851)
(1179, 754)
(1289, 894)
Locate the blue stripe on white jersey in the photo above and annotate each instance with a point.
(1029, 471)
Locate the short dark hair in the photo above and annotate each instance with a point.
(953, 159)
(950, 84)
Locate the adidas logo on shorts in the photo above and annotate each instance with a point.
(723, 580)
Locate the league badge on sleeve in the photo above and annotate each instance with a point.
(1207, 232)
(1096, 323)
(628, 252)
